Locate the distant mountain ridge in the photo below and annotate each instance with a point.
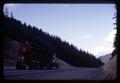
(105, 58)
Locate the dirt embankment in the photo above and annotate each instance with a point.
(110, 69)
(11, 48)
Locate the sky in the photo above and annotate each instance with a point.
(87, 26)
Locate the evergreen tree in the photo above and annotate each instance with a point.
(117, 35)
(11, 14)
(6, 12)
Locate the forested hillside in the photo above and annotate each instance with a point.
(15, 30)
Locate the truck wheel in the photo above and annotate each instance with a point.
(57, 67)
(20, 67)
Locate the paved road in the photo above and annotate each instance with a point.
(70, 73)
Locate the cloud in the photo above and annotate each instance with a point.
(100, 50)
(10, 5)
(111, 36)
(87, 37)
